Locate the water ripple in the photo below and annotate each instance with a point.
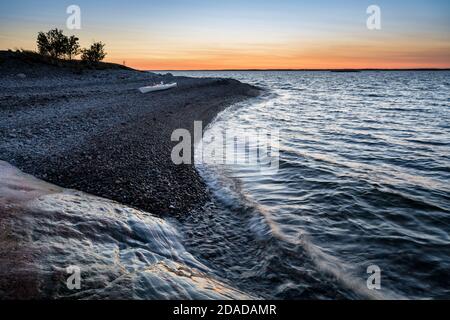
(363, 180)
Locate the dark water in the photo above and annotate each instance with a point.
(363, 179)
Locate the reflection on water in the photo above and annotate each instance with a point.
(362, 180)
(122, 253)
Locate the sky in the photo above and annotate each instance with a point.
(244, 34)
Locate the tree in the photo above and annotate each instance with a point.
(43, 44)
(95, 53)
(53, 43)
(56, 45)
(72, 47)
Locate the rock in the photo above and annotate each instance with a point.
(21, 75)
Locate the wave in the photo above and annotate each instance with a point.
(236, 215)
(244, 215)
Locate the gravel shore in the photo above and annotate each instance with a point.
(95, 132)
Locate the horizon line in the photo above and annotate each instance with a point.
(305, 69)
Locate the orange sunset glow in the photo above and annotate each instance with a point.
(324, 57)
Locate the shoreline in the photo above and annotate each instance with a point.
(95, 179)
(96, 133)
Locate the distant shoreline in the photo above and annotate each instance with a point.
(303, 70)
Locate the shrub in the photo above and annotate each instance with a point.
(95, 53)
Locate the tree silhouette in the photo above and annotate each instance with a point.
(53, 43)
(95, 53)
(72, 48)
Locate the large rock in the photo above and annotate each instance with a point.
(121, 253)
